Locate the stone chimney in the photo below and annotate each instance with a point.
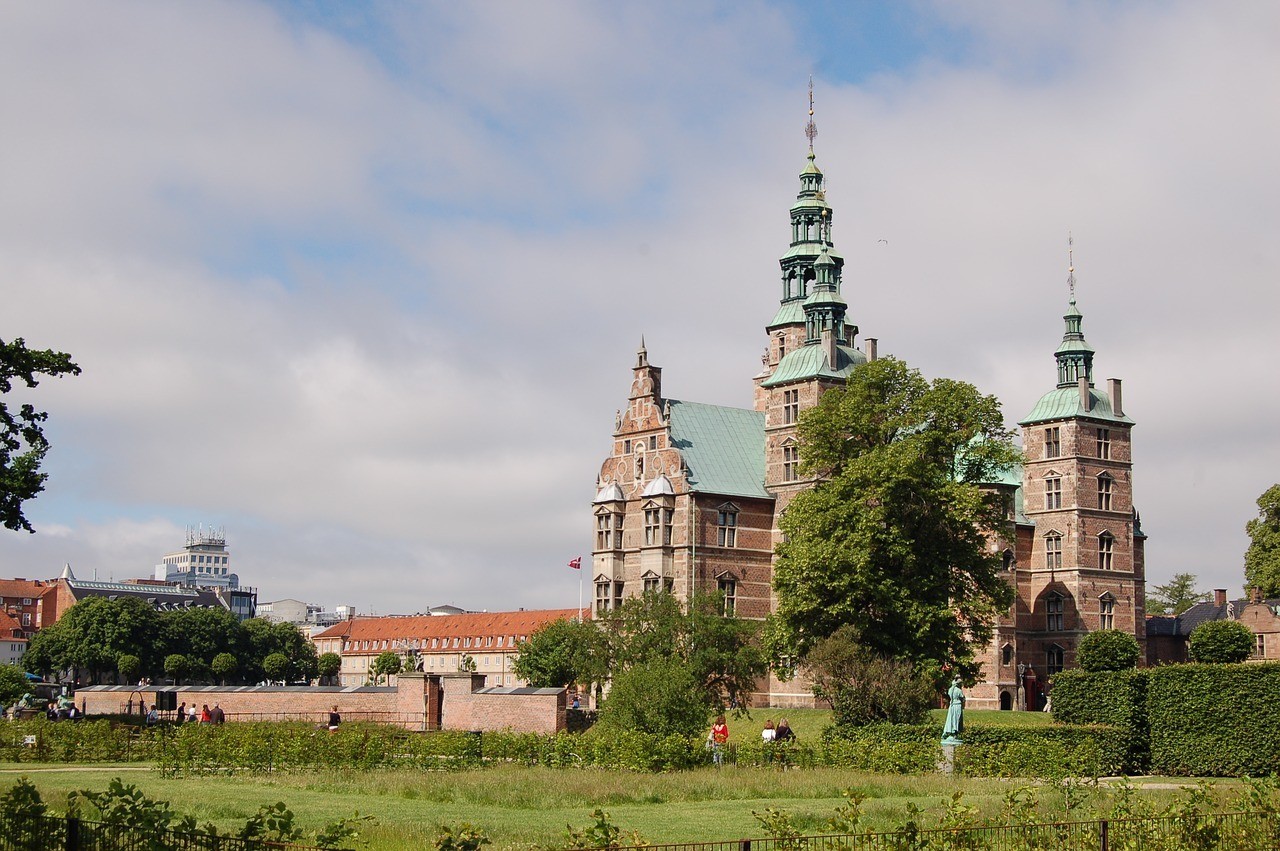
(829, 348)
(1085, 398)
(1117, 407)
(870, 346)
(1219, 596)
(1255, 594)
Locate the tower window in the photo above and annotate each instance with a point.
(653, 441)
(1053, 551)
(790, 406)
(1053, 492)
(603, 587)
(1104, 492)
(609, 531)
(1052, 442)
(729, 588)
(1053, 659)
(1053, 609)
(652, 526)
(1007, 560)
(727, 528)
(790, 463)
(1106, 612)
(1104, 443)
(1106, 547)
(1006, 655)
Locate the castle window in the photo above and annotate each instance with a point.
(729, 588)
(1104, 492)
(1006, 560)
(1053, 492)
(652, 526)
(626, 447)
(1053, 659)
(1052, 442)
(1104, 443)
(1053, 610)
(667, 516)
(609, 530)
(727, 527)
(1106, 612)
(790, 406)
(1053, 551)
(653, 441)
(790, 463)
(1106, 548)
(652, 584)
(782, 346)
(603, 596)
(617, 595)
(1006, 655)
(1260, 646)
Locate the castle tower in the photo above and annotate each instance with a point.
(1086, 568)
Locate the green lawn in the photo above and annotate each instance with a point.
(527, 807)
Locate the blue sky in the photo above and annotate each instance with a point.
(363, 282)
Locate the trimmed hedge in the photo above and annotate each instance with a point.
(1048, 752)
(1214, 720)
(1113, 698)
(75, 741)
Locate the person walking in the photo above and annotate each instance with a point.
(206, 717)
(182, 712)
(719, 739)
(218, 715)
(192, 718)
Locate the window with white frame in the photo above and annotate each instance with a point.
(1053, 551)
(727, 527)
(652, 526)
(652, 583)
(1054, 606)
(790, 406)
(1260, 646)
(790, 463)
(1105, 484)
(1053, 492)
(1106, 612)
(604, 595)
(609, 530)
(1106, 550)
(729, 588)
(1104, 443)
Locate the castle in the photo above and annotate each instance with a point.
(690, 497)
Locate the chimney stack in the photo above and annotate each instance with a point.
(829, 347)
(870, 346)
(1255, 594)
(1116, 407)
(1219, 596)
(1085, 399)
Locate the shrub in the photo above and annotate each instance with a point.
(1114, 698)
(660, 697)
(1107, 650)
(1215, 720)
(864, 687)
(13, 684)
(1221, 641)
(1044, 752)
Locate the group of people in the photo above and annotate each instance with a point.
(718, 738)
(189, 714)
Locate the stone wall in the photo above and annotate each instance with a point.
(469, 706)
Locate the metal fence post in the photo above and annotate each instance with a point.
(73, 834)
(1103, 834)
(746, 845)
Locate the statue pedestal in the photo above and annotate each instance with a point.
(948, 764)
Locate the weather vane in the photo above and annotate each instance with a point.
(1071, 267)
(811, 129)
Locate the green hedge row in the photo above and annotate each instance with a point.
(1215, 720)
(1116, 699)
(75, 741)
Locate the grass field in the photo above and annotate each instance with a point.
(527, 807)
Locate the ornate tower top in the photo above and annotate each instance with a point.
(1074, 355)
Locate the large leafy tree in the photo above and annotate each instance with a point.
(1262, 559)
(560, 653)
(93, 634)
(1175, 596)
(894, 540)
(22, 442)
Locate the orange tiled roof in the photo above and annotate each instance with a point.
(473, 625)
(8, 624)
(22, 588)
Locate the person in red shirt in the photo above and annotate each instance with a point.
(719, 738)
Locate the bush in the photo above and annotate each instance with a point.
(864, 687)
(13, 685)
(1107, 650)
(1221, 641)
(1113, 698)
(1044, 752)
(659, 697)
(1215, 720)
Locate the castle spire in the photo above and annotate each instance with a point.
(1074, 355)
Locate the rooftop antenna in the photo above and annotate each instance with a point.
(1071, 267)
(811, 129)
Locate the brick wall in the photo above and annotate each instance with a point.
(470, 706)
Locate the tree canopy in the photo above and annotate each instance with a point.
(22, 442)
(1221, 641)
(1108, 650)
(1262, 559)
(894, 538)
(1175, 596)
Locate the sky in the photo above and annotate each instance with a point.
(362, 284)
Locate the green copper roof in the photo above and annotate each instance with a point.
(810, 249)
(1064, 403)
(809, 362)
(723, 448)
(789, 313)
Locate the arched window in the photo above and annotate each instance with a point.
(1007, 559)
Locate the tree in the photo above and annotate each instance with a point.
(1262, 559)
(92, 636)
(224, 667)
(328, 665)
(202, 634)
(261, 638)
(177, 666)
(387, 663)
(1221, 641)
(129, 666)
(894, 540)
(1108, 650)
(560, 653)
(13, 685)
(22, 442)
(661, 696)
(863, 686)
(276, 667)
(1175, 597)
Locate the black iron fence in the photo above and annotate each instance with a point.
(1217, 831)
(47, 833)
